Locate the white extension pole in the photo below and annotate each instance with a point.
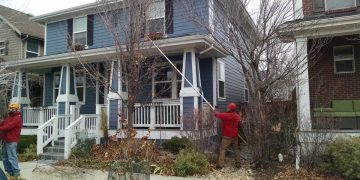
(196, 90)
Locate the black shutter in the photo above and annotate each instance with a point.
(90, 30)
(70, 32)
(169, 14)
(6, 47)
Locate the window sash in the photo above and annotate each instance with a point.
(2, 47)
(343, 4)
(80, 30)
(80, 86)
(157, 9)
(57, 81)
(337, 71)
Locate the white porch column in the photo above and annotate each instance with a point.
(20, 93)
(302, 88)
(190, 101)
(67, 92)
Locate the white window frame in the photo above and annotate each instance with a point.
(27, 51)
(54, 87)
(221, 77)
(157, 17)
(174, 81)
(344, 59)
(246, 89)
(326, 7)
(83, 86)
(77, 32)
(3, 48)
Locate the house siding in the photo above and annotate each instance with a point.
(90, 98)
(48, 89)
(324, 84)
(113, 114)
(206, 76)
(188, 113)
(61, 108)
(234, 83)
(57, 32)
(15, 49)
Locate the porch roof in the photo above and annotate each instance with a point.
(205, 44)
(320, 27)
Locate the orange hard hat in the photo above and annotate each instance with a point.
(231, 106)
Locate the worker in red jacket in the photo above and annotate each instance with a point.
(229, 129)
(10, 129)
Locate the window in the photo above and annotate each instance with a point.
(32, 49)
(167, 83)
(80, 86)
(57, 77)
(344, 59)
(221, 79)
(2, 47)
(336, 4)
(319, 5)
(156, 21)
(246, 92)
(80, 30)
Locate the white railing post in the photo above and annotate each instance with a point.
(72, 113)
(152, 116)
(98, 123)
(67, 148)
(39, 143)
(56, 128)
(42, 116)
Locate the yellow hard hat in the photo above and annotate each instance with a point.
(14, 106)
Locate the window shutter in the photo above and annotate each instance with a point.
(6, 47)
(90, 30)
(169, 15)
(70, 32)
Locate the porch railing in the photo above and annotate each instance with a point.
(157, 115)
(87, 126)
(35, 116)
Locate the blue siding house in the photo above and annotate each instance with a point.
(73, 99)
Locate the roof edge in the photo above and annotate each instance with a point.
(11, 25)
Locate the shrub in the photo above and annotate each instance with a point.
(190, 162)
(175, 144)
(343, 156)
(29, 154)
(83, 148)
(24, 142)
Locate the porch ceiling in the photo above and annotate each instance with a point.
(319, 28)
(170, 46)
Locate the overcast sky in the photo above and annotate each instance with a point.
(38, 7)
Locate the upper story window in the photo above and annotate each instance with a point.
(156, 21)
(32, 48)
(329, 5)
(344, 60)
(80, 30)
(221, 79)
(2, 47)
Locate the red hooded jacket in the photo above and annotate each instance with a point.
(11, 127)
(230, 123)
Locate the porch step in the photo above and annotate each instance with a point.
(52, 156)
(55, 152)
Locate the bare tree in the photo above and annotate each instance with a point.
(267, 63)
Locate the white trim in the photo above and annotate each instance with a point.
(44, 88)
(45, 38)
(83, 86)
(214, 63)
(220, 78)
(193, 68)
(302, 87)
(344, 59)
(78, 32)
(211, 16)
(189, 92)
(55, 96)
(97, 86)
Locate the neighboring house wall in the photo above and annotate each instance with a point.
(309, 9)
(324, 84)
(15, 45)
(57, 32)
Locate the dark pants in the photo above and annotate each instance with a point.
(225, 143)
